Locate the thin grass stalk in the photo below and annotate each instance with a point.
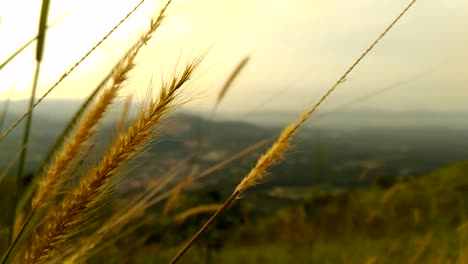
(204, 227)
(29, 42)
(41, 37)
(213, 169)
(234, 74)
(64, 222)
(4, 112)
(132, 53)
(42, 30)
(118, 221)
(27, 130)
(9, 165)
(278, 149)
(65, 75)
(22, 158)
(71, 124)
(25, 198)
(84, 253)
(182, 217)
(175, 197)
(56, 175)
(32, 220)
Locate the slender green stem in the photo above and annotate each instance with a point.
(27, 129)
(67, 73)
(29, 42)
(24, 150)
(14, 244)
(68, 128)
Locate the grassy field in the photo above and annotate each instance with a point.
(72, 209)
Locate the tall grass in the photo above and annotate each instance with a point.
(281, 145)
(56, 214)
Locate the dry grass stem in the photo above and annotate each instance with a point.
(56, 174)
(176, 196)
(214, 168)
(279, 147)
(118, 221)
(65, 75)
(65, 220)
(197, 210)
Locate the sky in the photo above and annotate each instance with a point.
(298, 49)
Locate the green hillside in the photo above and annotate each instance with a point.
(417, 220)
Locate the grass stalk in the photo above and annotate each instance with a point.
(27, 130)
(187, 246)
(4, 112)
(76, 117)
(213, 169)
(56, 174)
(181, 217)
(279, 147)
(67, 73)
(65, 221)
(22, 158)
(117, 222)
(29, 42)
(126, 63)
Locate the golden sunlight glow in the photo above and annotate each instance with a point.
(296, 45)
(80, 25)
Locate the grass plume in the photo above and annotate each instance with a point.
(279, 147)
(231, 79)
(63, 223)
(54, 177)
(117, 222)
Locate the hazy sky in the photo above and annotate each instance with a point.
(298, 49)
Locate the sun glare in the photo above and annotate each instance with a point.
(77, 26)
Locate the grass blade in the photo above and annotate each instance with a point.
(26, 197)
(39, 55)
(42, 30)
(27, 130)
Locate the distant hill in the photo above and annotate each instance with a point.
(59, 109)
(329, 153)
(357, 118)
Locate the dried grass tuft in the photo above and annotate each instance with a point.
(56, 175)
(66, 219)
